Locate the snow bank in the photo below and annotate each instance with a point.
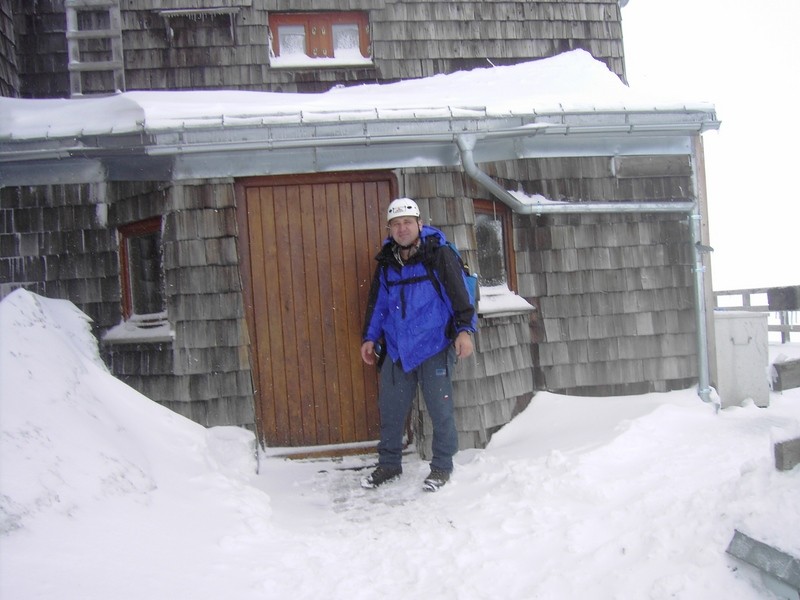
(107, 495)
(73, 435)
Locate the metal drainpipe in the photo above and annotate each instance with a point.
(703, 378)
(466, 143)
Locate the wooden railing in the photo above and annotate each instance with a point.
(783, 304)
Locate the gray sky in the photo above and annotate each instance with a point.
(745, 62)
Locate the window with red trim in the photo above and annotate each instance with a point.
(338, 36)
(141, 269)
(493, 233)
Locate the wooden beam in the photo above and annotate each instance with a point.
(787, 375)
(773, 563)
(787, 454)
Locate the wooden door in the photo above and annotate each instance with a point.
(307, 246)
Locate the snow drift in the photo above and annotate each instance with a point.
(107, 495)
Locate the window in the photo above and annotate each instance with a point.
(192, 27)
(495, 250)
(319, 38)
(141, 270)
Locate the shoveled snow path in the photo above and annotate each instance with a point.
(652, 510)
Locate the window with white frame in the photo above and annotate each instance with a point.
(319, 39)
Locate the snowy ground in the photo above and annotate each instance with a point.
(104, 495)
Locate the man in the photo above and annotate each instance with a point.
(420, 312)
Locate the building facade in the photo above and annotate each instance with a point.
(226, 269)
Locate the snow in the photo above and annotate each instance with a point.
(343, 58)
(556, 84)
(499, 300)
(105, 494)
(141, 328)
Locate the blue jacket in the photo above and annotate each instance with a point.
(414, 315)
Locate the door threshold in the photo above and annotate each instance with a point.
(325, 451)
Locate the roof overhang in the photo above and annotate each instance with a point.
(344, 143)
(563, 106)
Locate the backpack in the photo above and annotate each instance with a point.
(470, 282)
(470, 279)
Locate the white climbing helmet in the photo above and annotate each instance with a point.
(402, 207)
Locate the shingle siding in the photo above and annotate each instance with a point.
(9, 68)
(610, 289)
(613, 293)
(408, 39)
(56, 244)
(40, 29)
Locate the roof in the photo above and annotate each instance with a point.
(567, 105)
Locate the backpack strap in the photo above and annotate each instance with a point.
(411, 280)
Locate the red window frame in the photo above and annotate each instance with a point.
(126, 234)
(319, 31)
(502, 213)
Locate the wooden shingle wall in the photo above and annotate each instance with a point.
(614, 292)
(9, 71)
(204, 373)
(497, 381)
(40, 28)
(147, 367)
(615, 302)
(55, 242)
(421, 38)
(195, 51)
(61, 242)
(204, 295)
(216, 51)
(227, 47)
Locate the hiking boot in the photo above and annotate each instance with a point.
(382, 474)
(435, 480)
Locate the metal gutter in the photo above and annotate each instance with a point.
(466, 144)
(372, 129)
(313, 142)
(159, 148)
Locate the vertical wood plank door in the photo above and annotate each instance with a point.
(307, 246)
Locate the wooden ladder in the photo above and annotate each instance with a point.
(111, 32)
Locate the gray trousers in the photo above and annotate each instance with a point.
(397, 392)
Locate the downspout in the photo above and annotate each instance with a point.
(698, 177)
(466, 144)
(703, 378)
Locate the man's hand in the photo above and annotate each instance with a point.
(463, 345)
(368, 352)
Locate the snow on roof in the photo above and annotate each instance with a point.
(570, 82)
